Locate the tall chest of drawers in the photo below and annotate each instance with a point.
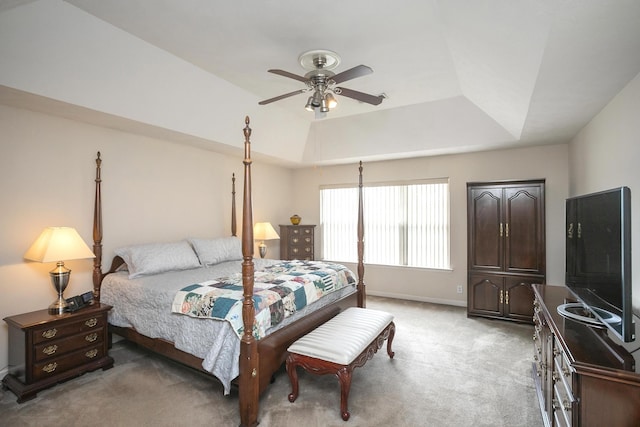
(46, 349)
(296, 242)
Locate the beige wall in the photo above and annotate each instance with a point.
(152, 190)
(548, 162)
(606, 154)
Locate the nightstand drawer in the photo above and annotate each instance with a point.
(61, 364)
(52, 332)
(51, 349)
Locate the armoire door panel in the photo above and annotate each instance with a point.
(519, 297)
(486, 228)
(523, 251)
(486, 294)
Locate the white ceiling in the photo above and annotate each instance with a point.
(460, 75)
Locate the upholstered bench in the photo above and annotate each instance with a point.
(339, 346)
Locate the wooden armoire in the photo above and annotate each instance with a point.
(506, 248)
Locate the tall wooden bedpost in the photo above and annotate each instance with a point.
(97, 233)
(249, 379)
(361, 288)
(233, 205)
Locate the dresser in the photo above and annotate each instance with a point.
(583, 376)
(296, 242)
(46, 349)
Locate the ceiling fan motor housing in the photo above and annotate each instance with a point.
(319, 59)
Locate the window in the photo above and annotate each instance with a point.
(404, 224)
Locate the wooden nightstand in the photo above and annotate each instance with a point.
(296, 242)
(46, 349)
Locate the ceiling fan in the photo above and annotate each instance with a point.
(321, 81)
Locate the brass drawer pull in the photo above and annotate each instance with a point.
(49, 333)
(566, 404)
(91, 353)
(50, 367)
(50, 349)
(91, 322)
(91, 337)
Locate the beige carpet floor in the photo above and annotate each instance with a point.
(448, 370)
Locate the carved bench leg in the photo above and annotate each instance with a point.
(293, 377)
(344, 376)
(392, 333)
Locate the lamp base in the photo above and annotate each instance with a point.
(59, 279)
(59, 306)
(263, 249)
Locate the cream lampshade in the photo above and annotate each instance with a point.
(264, 231)
(58, 244)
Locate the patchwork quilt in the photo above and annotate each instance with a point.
(279, 291)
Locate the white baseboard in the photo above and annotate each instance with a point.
(417, 298)
(4, 372)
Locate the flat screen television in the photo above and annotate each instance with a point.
(598, 261)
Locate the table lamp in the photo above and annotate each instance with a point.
(58, 244)
(264, 231)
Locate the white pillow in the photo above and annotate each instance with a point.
(215, 251)
(153, 258)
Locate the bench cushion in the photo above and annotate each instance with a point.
(344, 337)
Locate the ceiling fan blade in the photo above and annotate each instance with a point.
(278, 98)
(352, 73)
(288, 74)
(360, 96)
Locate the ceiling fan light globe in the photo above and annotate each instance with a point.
(323, 106)
(309, 105)
(331, 101)
(317, 99)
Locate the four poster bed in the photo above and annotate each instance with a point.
(206, 344)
